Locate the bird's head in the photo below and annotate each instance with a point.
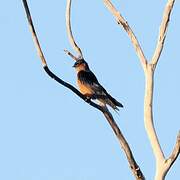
(81, 64)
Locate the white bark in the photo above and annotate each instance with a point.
(121, 20)
(69, 31)
(34, 36)
(148, 113)
(162, 31)
(162, 164)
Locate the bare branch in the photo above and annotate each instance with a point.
(148, 114)
(132, 163)
(163, 168)
(70, 54)
(120, 20)
(69, 31)
(162, 32)
(162, 165)
(125, 146)
(73, 89)
(175, 153)
(34, 36)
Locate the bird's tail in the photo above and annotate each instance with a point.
(111, 102)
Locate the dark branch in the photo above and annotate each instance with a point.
(125, 146)
(133, 165)
(73, 89)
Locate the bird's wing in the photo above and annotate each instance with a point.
(89, 79)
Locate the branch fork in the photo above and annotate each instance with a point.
(162, 164)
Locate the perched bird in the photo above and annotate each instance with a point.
(91, 88)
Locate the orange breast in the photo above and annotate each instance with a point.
(84, 89)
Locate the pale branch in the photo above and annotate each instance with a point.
(162, 31)
(175, 153)
(70, 54)
(120, 20)
(148, 114)
(162, 165)
(163, 168)
(69, 31)
(134, 167)
(34, 36)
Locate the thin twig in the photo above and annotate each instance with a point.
(162, 32)
(70, 54)
(120, 20)
(69, 31)
(174, 155)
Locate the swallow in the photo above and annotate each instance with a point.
(91, 88)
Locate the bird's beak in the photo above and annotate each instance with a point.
(75, 65)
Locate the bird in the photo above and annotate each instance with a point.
(90, 87)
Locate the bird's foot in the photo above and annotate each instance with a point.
(88, 99)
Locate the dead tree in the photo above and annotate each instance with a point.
(126, 148)
(162, 164)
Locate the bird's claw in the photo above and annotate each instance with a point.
(87, 99)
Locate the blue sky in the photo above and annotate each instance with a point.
(48, 133)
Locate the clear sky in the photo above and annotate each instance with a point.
(47, 132)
